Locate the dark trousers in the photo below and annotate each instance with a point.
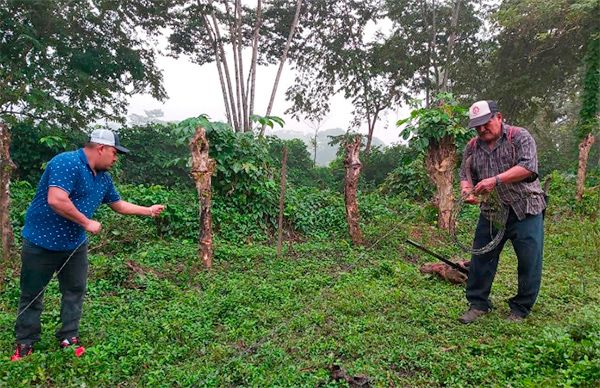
(38, 266)
(527, 237)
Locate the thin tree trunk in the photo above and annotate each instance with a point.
(440, 162)
(202, 169)
(584, 152)
(451, 40)
(434, 45)
(368, 113)
(252, 75)
(371, 131)
(353, 166)
(282, 199)
(237, 53)
(282, 61)
(245, 121)
(234, 112)
(219, 63)
(236, 63)
(315, 144)
(426, 26)
(6, 169)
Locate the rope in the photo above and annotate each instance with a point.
(494, 211)
(53, 276)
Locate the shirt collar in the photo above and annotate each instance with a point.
(504, 130)
(84, 159)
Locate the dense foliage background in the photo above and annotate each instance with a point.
(154, 316)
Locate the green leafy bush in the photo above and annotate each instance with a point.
(33, 145)
(562, 190)
(382, 161)
(409, 179)
(156, 157)
(300, 169)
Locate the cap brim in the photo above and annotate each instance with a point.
(480, 120)
(122, 150)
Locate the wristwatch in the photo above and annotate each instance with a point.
(497, 180)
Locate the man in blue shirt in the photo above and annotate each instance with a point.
(72, 187)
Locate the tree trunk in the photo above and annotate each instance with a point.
(219, 63)
(236, 61)
(584, 151)
(451, 40)
(353, 167)
(6, 168)
(282, 199)
(245, 105)
(434, 59)
(252, 74)
(223, 57)
(441, 158)
(315, 144)
(282, 62)
(202, 169)
(426, 26)
(371, 124)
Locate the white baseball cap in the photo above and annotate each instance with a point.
(481, 112)
(107, 137)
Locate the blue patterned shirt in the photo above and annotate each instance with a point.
(70, 172)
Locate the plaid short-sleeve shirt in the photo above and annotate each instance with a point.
(480, 162)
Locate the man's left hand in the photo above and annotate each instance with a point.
(155, 210)
(485, 186)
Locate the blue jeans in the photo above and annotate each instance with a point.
(38, 266)
(527, 237)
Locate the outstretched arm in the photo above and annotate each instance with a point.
(127, 208)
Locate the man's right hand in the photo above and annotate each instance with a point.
(92, 227)
(470, 198)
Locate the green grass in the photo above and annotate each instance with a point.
(259, 320)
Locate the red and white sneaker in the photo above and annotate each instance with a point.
(75, 342)
(22, 350)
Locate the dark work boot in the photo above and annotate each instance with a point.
(515, 317)
(472, 315)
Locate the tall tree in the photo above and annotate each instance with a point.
(226, 32)
(436, 131)
(338, 54)
(438, 46)
(540, 48)
(72, 62)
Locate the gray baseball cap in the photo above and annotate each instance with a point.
(107, 137)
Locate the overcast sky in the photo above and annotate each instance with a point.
(194, 90)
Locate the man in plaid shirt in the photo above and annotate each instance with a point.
(503, 158)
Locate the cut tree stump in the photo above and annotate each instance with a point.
(584, 152)
(202, 169)
(353, 168)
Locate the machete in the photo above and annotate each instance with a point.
(439, 257)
